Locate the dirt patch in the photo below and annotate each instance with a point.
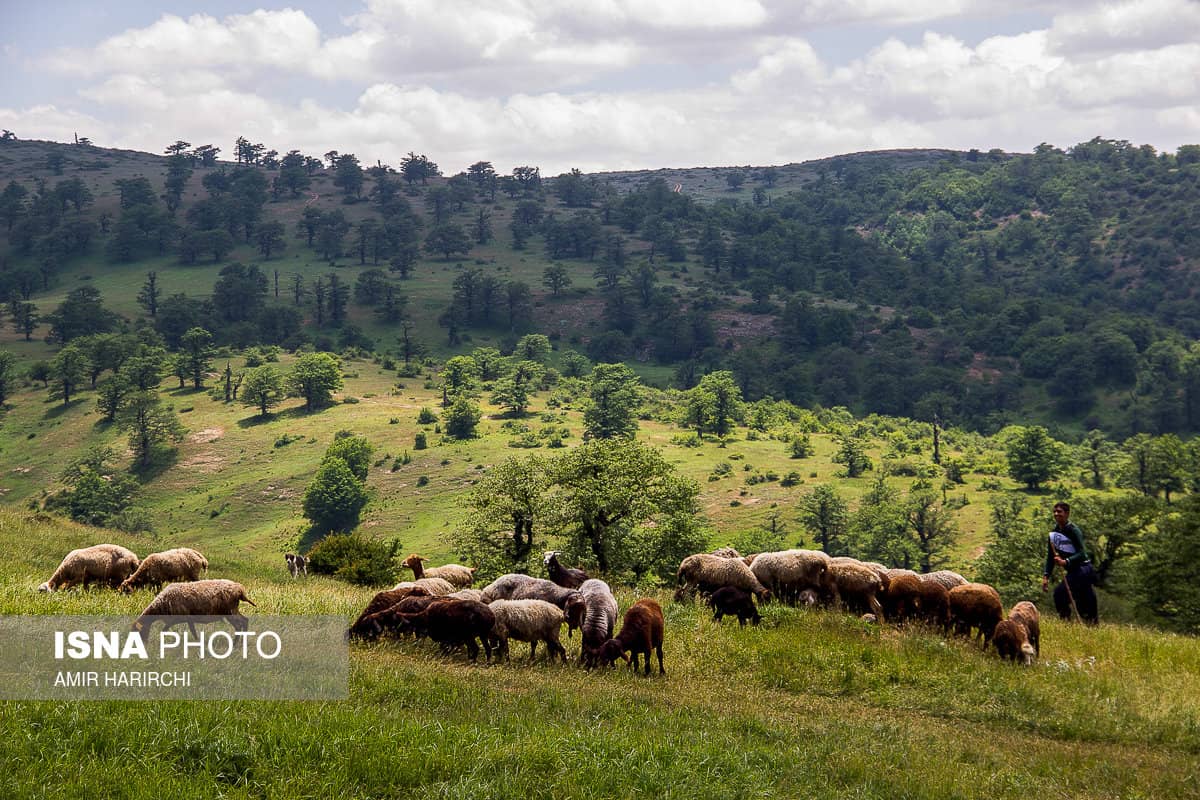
(741, 325)
(207, 435)
(977, 370)
(205, 462)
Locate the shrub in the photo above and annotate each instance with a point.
(335, 497)
(419, 441)
(461, 419)
(791, 479)
(802, 446)
(427, 416)
(423, 481)
(355, 558)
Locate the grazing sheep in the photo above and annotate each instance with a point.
(385, 600)
(808, 598)
(896, 572)
(934, 603)
(600, 615)
(530, 621)
(726, 552)
(1026, 613)
(946, 578)
(563, 576)
(787, 573)
(452, 623)
(467, 594)
(503, 587)
(181, 564)
(1012, 641)
(734, 602)
(371, 626)
(569, 600)
(439, 587)
(902, 600)
(641, 632)
(196, 601)
(975, 605)
(885, 574)
(855, 584)
(457, 575)
(108, 564)
(707, 573)
(297, 564)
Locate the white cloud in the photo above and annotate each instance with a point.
(1133, 24)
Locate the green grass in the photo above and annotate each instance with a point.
(809, 704)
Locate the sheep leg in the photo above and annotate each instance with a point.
(532, 650)
(661, 669)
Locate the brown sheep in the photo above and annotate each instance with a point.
(975, 605)
(1012, 641)
(934, 603)
(568, 577)
(371, 626)
(1026, 613)
(456, 575)
(902, 600)
(641, 632)
(385, 600)
(107, 564)
(196, 601)
(453, 622)
(734, 602)
(178, 565)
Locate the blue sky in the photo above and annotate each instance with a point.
(603, 84)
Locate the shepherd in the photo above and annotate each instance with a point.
(1065, 549)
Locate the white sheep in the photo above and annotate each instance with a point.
(787, 573)
(196, 601)
(438, 587)
(946, 578)
(854, 583)
(109, 564)
(179, 564)
(461, 577)
(708, 573)
(475, 595)
(505, 586)
(530, 621)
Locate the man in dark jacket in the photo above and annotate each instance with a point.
(1065, 549)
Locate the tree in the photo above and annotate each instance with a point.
(348, 175)
(270, 238)
(534, 347)
(853, 454)
(370, 286)
(197, 351)
(555, 278)
(461, 419)
(506, 510)
(415, 168)
(1034, 457)
(68, 369)
(315, 377)
(240, 292)
(150, 426)
(448, 238)
(354, 450)
(513, 390)
(824, 514)
(25, 319)
(1167, 576)
(931, 525)
(715, 405)
(263, 387)
(458, 378)
(335, 498)
(606, 487)
(613, 400)
(1015, 554)
(1114, 524)
(8, 374)
(148, 295)
(82, 313)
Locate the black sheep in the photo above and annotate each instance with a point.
(453, 623)
(734, 602)
(563, 576)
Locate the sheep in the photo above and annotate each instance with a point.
(1026, 613)
(109, 564)
(436, 586)
(975, 605)
(786, 573)
(946, 578)
(195, 601)
(708, 573)
(735, 602)
(1012, 641)
(385, 600)
(180, 564)
(934, 603)
(530, 621)
(600, 615)
(809, 598)
(457, 575)
(855, 584)
(563, 576)
(902, 600)
(503, 587)
(297, 564)
(569, 600)
(371, 626)
(727, 552)
(641, 632)
(896, 572)
(467, 594)
(452, 623)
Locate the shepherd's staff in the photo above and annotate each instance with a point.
(1067, 583)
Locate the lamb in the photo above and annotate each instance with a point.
(1012, 641)
(641, 632)
(707, 573)
(530, 621)
(787, 573)
(456, 574)
(196, 601)
(296, 564)
(108, 564)
(946, 578)
(975, 605)
(563, 576)
(600, 615)
(569, 600)
(180, 564)
(735, 602)
(503, 587)
(436, 586)
(855, 584)
(1026, 613)
(902, 600)
(385, 600)
(452, 623)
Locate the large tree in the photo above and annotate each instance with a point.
(507, 509)
(196, 352)
(315, 377)
(68, 369)
(1034, 457)
(151, 426)
(613, 400)
(263, 388)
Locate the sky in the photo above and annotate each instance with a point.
(602, 84)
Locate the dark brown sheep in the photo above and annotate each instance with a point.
(385, 600)
(453, 623)
(370, 625)
(975, 605)
(1012, 641)
(902, 599)
(563, 576)
(934, 603)
(734, 602)
(641, 632)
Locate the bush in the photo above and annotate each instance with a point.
(802, 446)
(426, 417)
(133, 520)
(419, 441)
(355, 558)
(423, 481)
(461, 419)
(791, 479)
(335, 497)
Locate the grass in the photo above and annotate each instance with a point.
(809, 704)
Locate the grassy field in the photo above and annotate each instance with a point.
(809, 704)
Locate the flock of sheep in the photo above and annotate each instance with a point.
(440, 604)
